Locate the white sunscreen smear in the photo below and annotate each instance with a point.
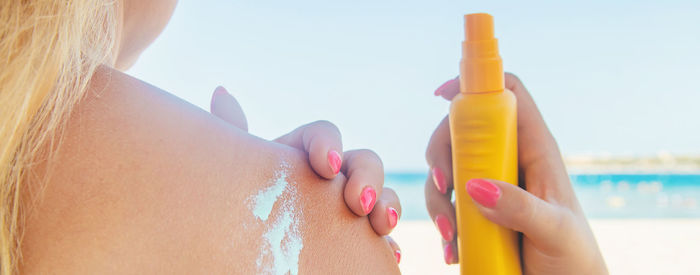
(265, 199)
(282, 240)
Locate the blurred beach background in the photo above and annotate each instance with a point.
(644, 223)
(615, 80)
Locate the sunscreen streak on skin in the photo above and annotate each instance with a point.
(265, 199)
(282, 240)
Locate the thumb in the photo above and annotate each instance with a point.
(226, 107)
(512, 207)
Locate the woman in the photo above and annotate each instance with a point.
(103, 173)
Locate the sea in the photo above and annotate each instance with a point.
(602, 196)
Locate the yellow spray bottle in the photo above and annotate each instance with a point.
(483, 127)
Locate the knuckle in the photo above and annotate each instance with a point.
(428, 154)
(564, 219)
(437, 139)
(560, 222)
(514, 83)
(325, 124)
(511, 75)
(391, 193)
(394, 200)
(429, 198)
(431, 151)
(526, 211)
(370, 155)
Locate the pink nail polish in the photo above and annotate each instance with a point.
(334, 161)
(439, 89)
(439, 180)
(393, 216)
(483, 192)
(397, 254)
(448, 253)
(444, 226)
(367, 199)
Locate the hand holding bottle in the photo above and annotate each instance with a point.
(556, 236)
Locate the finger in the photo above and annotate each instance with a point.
(365, 173)
(442, 213)
(386, 212)
(439, 157)
(538, 153)
(533, 134)
(322, 141)
(394, 247)
(511, 206)
(449, 252)
(226, 107)
(449, 89)
(531, 127)
(438, 187)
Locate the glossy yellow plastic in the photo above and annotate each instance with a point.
(483, 126)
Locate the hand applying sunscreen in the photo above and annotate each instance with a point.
(483, 127)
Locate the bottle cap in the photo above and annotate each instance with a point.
(481, 68)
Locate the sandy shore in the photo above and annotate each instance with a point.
(668, 246)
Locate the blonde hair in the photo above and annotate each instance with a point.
(49, 50)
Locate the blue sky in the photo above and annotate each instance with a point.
(610, 78)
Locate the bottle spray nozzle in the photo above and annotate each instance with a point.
(481, 66)
(478, 26)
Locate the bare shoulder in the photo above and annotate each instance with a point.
(147, 183)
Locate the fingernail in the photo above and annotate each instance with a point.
(439, 180)
(443, 224)
(397, 254)
(448, 253)
(439, 89)
(483, 192)
(220, 90)
(334, 161)
(217, 92)
(393, 216)
(367, 199)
